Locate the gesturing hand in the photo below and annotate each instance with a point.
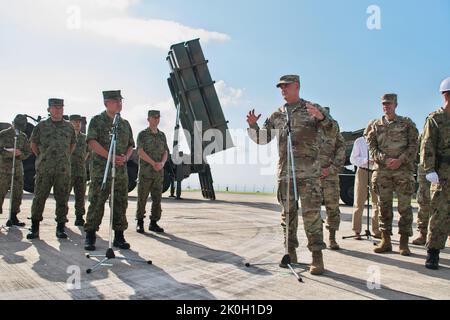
(252, 119)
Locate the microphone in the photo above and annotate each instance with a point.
(116, 120)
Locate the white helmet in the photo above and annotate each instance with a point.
(445, 85)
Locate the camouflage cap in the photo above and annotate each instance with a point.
(390, 97)
(75, 117)
(112, 94)
(55, 102)
(292, 78)
(154, 113)
(20, 122)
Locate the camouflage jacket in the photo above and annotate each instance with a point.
(396, 139)
(6, 157)
(332, 149)
(154, 145)
(100, 131)
(78, 160)
(54, 140)
(435, 147)
(306, 138)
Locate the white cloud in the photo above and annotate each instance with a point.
(153, 32)
(229, 96)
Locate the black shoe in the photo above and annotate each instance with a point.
(34, 230)
(14, 222)
(119, 241)
(79, 221)
(89, 243)
(140, 226)
(60, 232)
(432, 259)
(154, 227)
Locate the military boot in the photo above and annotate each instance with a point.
(317, 267)
(14, 221)
(119, 241)
(385, 244)
(79, 221)
(292, 253)
(432, 259)
(404, 249)
(154, 227)
(333, 244)
(140, 226)
(34, 231)
(60, 232)
(89, 243)
(421, 240)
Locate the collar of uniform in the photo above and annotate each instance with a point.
(105, 115)
(385, 119)
(150, 131)
(299, 104)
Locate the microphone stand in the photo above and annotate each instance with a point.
(111, 161)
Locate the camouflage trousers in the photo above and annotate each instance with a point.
(5, 185)
(331, 196)
(439, 227)
(424, 201)
(310, 196)
(98, 198)
(78, 184)
(60, 181)
(385, 183)
(153, 186)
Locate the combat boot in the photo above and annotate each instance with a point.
(119, 241)
(140, 226)
(154, 227)
(432, 259)
(385, 244)
(333, 244)
(34, 231)
(60, 232)
(292, 253)
(404, 249)
(14, 221)
(89, 243)
(79, 221)
(421, 240)
(317, 267)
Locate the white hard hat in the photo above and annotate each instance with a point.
(445, 85)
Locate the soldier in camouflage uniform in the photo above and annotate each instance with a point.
(53, 142)
(78, 170)
(153, 153)
(306, 120)
(424, 202)
(435, 159)
(99, 140)
(392, 143)
(23, 151)
(332, 159)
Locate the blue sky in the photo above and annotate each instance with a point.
(250, 44)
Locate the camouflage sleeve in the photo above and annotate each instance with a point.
(262, 136)
(3, 153)
(428, 146)
(26, 149)
(73, 139)
(92, 133)
(131, 140)
(36, 135)
(372, 142)
(140, 143)
(165, 144)
(339, 156)
(410, 153)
